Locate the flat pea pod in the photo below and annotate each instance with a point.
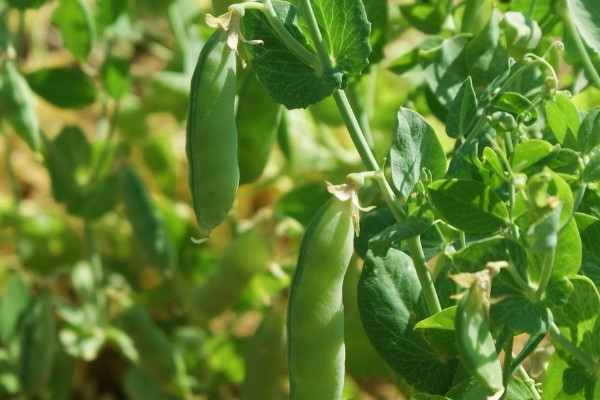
(257, 119)
(475, 342)
(146, 221)
(38, 345)
(245, 256)
(18, 105)
(266, 357)
(157, 358)
(211, 145)
(316, 351)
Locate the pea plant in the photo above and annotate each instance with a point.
(472, 256)
(304, 199)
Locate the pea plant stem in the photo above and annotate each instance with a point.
(584, 360)
(366, 155)
(580, 46)
(530, 383)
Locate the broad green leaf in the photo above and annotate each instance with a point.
(388, 300)
(371, 225)
(409, 60)
(590, 238)
(563, 119)
(445, 68)
(522, 33)
(591, 173)
(64, 87)
(76, 24)
(463, 111)
(427, 18)
(516, 104)
(554, 383)
(378, 15)
(529, 153)
(286, 77)
(415, 146)
(477, 13)
(438, 330)
(409, 228)
(13, 304)
(586, 16)
(18, 105)
(471, 389)
(567, 260)
(588, 136)
(468, 205)
(257, 120)
(541, 8)
(558, 291)
(115, 76)
(485, 55)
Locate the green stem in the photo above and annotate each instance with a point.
(546, 272)
(363, 119)
(302, 52)
(358, 138)
(97, 169)
(530, 383)
(463, 239)
(584, 360)
(506, 367)
(587, 61)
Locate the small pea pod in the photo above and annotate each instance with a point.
(245, 256)
(18, 105)
(258, 118)
(38, 345)
(266, 356)
(316, 352)
(146, 221)
(157, 358)
(211, 134)
(475, 342)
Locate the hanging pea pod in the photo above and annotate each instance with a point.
(316, 352)
(474, 339)
(157, 358)
(211, 134)
(146, 221)
(266, 356)
(18, 105)
(245, 256)
(38, 345)
(257, 119)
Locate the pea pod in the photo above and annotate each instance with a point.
(146, 220)
(157, 357)
(316, 350)
(18, 105)
(266, 356)
(211, 134)
(38, 345)
(474, 340)
(258, 118)
(245, 256)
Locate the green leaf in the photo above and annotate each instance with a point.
(409, 228)
(529, 153)
(485, 56)
(378, 15)
(257, 120)
(115, 76)
(74, 20)
(468, 205)
(586, 17)
(588, 136)
(477, 13)
(371, 225)
(543, 234)
(516, 104)
(345, 30)
(25, 4)
(463, 111)
(445, 68)
(591, 173)
(438, 330)
(64, 87)
(13, 304)
(522, 33)
(415, 146)
(428, 18)
(563, 118)
(409, 60)
(388, 300)
(554, 387)
(286, 77)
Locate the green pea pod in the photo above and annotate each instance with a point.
(266, 356)
(257, 120)
(475, 342)
(157, 358)
(211, 134)
(316, 350)
(18, 105)
(245, 256)
(38, 345)
(146, 221)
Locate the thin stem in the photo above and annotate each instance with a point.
(463, 239)
(530, 383)
(587, 61)
(97, 169)
(302, 52)
(531, 9)
(416, 253)
(508, 356)
(573, 350)
(315, 33)
(546, 272)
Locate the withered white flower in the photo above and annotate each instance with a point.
(230, 22)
